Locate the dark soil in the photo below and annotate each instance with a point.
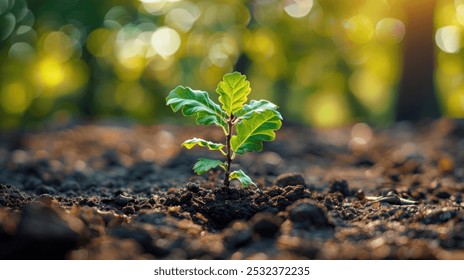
(106, 192)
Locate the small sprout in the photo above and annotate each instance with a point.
(245, 126)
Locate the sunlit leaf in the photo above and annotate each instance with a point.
(257, 107)
(233, 91)
(251, 132)
(196, 102)
(202, 143)
(204, 164)
(242, 177)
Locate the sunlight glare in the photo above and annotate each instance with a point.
(298, 8)
(448, 38)
(166, 41)
(50, 72)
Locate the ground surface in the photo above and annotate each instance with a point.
(108, 192)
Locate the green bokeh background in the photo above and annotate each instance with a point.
(326, 63)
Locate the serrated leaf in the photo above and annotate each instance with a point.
(253, 131)
(242, 177)
(196, 102)
(202, 143)
(233, 91)
(205, 164)
(257, 107)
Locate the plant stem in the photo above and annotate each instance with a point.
(230, 123)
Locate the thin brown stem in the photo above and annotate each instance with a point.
(230, 124)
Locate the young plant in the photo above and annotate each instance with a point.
(245, 126)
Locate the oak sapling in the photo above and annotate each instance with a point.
(245, 126)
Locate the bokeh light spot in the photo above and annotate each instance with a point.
(359, 29)
(298, 8)
(448, 38)
(58, 45)
(182, 19)
(131, 96)
(455, 103)
(14, 98)
(222, 49)
(50, 72)
(97, 42)
(361, 130)
(370, 89)
(327, 109)
(21, 51)
(390, 30)
(7, 23)
(165, 41)
(156, 7)
(261, 45)
(460, 11)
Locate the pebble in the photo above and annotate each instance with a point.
(360, 195)
(307, 214)
(290, 179)
(122, 200)
(193, 187)
(443, 194)
(339, 186)
(265, 225)
(45, 232)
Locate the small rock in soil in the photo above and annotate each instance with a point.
(238, 235)
(266, 225)
(193, 187)
(360, 195)
(43, 232)
(443, 194)
(307, 214)
(339, 186)
(122, 200)
(290, 179)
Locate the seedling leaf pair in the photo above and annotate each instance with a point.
(252, 123)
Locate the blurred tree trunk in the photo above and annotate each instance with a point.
(416, 99)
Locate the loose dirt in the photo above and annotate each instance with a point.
(128, 192)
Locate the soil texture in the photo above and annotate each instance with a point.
(129, 192)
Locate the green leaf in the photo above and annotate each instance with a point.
(233, 91)
(192, 102)
(242, 177)
(204, 164)
(251, 132)
(202, 143)
(257, 107)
